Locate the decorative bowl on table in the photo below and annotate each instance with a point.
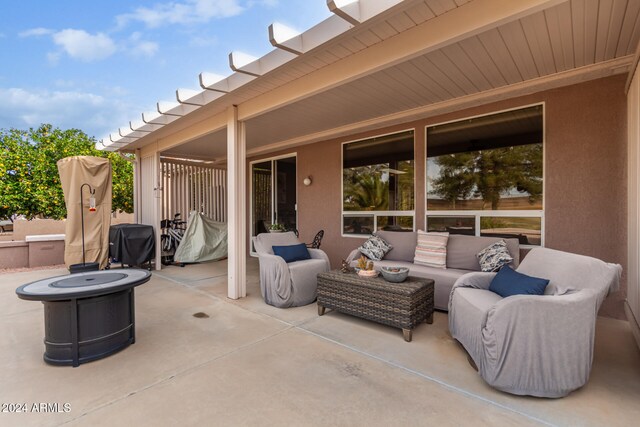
(368, 273)
(395, 274)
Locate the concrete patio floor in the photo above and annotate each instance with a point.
(252, 364)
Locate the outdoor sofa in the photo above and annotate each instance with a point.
(461, 259)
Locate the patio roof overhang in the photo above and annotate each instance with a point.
(380, 62)
(372, 64)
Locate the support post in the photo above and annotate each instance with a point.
(157, 208)
(236, 206)
(136, 188)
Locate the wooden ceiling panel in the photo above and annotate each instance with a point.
(536, 32)
(561, 36)
(618, 8)
(513, 36)
(465, 65)
(495, 46)
(401, 22)
(420, 13)
(441, 6)
(384, 31)
(477, 53)
(368, 38)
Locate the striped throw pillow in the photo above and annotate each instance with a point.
(432, 249)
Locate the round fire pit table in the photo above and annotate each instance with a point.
(87, 316)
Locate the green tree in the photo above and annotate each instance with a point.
(364, 189)
(489, 174)
(456, 180)
(29, 180)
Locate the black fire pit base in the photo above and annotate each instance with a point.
(87, 316)
(82, 330)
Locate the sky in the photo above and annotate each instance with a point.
(96, 65)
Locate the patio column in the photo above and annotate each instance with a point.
(236, 206)
(136, 188)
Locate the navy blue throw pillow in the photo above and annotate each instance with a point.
(292, 253)
(509, 282)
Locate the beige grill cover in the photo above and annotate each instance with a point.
(95, 171)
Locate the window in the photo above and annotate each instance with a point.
(485, 175)
(273, 194)
(378, 184)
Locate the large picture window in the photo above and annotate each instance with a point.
(378, 184)
(485, 175)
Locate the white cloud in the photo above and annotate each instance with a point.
(35, 32)
(185, 12)
(137, 46)
(147, 49)
(203, 41)
(53, 57)
(92, 113)
(81, 45)
(268, 3)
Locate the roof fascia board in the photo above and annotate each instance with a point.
(465, 21)
(297, 43)
(215, 82)
(357, 11)
(259, 66)
(141, 126)
(196, 97)
(155, 118)
(130, 133)
(170, 108)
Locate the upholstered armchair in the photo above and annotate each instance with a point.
(538, 345)
(285, 284)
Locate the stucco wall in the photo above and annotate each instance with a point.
(585, 175)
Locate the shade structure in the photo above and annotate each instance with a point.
(74, 172)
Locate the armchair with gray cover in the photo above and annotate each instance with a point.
(287, 285)
(538, 345)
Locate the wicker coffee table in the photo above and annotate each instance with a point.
(401, 305)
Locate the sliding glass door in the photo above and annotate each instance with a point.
(273, 194)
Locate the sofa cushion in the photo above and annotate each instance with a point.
(462, 250)
(292, 253)
(403, 242)
(494, 256)
(444, 279)
(375, 248)
(431, 249)
(509, 282)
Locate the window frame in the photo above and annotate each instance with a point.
(376, 214)
(532, 213)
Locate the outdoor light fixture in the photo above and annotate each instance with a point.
(307, 181)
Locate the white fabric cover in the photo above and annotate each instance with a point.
(204, 240)
(287, 285)
(528, 344)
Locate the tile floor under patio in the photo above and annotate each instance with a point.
(252, 364)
